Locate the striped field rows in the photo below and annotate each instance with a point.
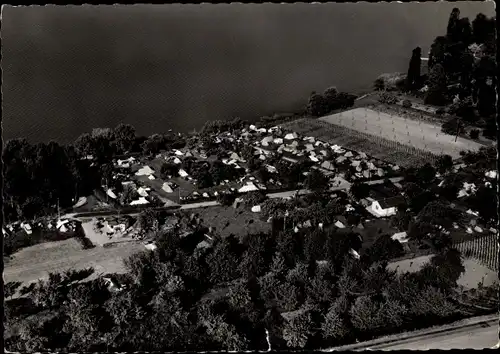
(484, 249)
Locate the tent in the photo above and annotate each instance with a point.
(139, 201)
(145, 171)
(291, 136)
(248, 188)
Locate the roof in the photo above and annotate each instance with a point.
(391, 202)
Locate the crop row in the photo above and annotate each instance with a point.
(484, 249)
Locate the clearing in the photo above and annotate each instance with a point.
(35, 262)
(417, 134)
(228, 220)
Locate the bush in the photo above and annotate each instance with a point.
(387, 98)
(226, 199)
(450, 127)
(474, 134)
(440, 111)
(407, 104)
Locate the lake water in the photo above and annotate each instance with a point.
(68, 69)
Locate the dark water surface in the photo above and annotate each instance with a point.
(68, 69)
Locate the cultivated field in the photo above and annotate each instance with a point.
(484, 249)
(37, 261)
(373, 145)
(417, 134)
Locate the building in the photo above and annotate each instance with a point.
(386, 207)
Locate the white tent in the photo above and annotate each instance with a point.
(327, 165)
(166, 187)
(339, 224)
(491, 174)
(143, 192)
(248, 188)
(267, 140)
(256, 209)
(111, 194)
(151, 246)
(139, 201)
(291, 136)
(402, 237)
(145, 171)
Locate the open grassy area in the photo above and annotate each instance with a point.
(228, 220)
(37, 261)
(417, 134)
(361, 141)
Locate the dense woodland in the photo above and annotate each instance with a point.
(462, 74)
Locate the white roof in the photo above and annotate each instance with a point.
(278, 141)
(248, 187)
(145, 171)
(291, 136)
(271, 169)
(400, 236)
(235, 156)
(111, 194)
(151, 177)
(139, 201)
(491, 174)
(183, 173)
(142, 191)
(252, 127)
(81, 201)
(328, 165)
(151, 246)
(205, 194)
(256, 209)
(179, 153)
(348, 154)
(354, 253)
(267, 140)
(177, 160)
(355, 163)
(339, 225)
(313, 158)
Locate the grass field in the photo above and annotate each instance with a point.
(474, 272)
(375, 146)
(417, 134)
(228, 220)
(37, 261)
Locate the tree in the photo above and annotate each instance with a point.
(401, 220)
(124, 135)
(444, 163)
(317, 105)
(298, 330)
(474, 134)
(316, 181)
(438, 51)
(226, 199)
(128, 195)
(148, 220)
(413, 77)
(426, 174)
(383, 249)
(481, 28)
(169, 169)
(334, 326)
(223, 262)
(365, 315)
(453, 29)
(438, 213)
(437, 86)
(11, 287)
(359, 190)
